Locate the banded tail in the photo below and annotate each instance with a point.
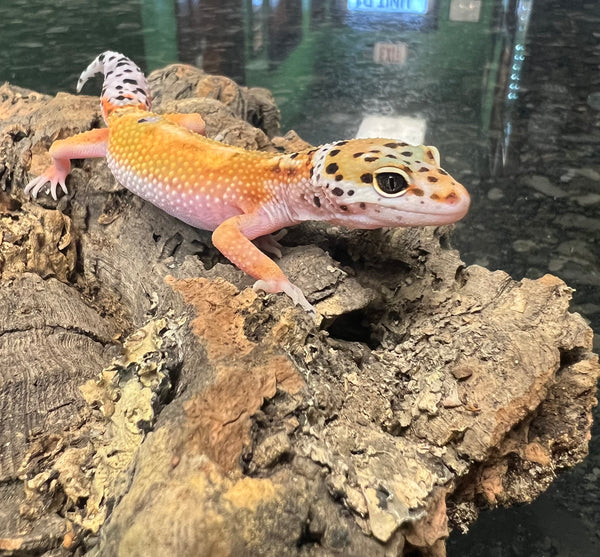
(124, 82)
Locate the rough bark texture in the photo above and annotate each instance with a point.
(152, 404)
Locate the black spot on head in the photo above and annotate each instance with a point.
(392, 145)
(128, 70)
(374, 151)
(367, 178)
(344, 207)
(443, 172)
(429, 153)
(331, 168)
(334, 152)
(338, 177)
(407, 153)
(317, 201)
(363, 205)
(356, 155)
(340, 143)
(312, 170)
(432, 179)
(371, 159)
(130, 81)
(101, 57)
(119, 87)
(108, 73)
(293, 155)
(423, 169)
(392, 157)
(120, 98)
(122, 63)
(311, 152)
(350, 192)
(337, 191)
(402, 144)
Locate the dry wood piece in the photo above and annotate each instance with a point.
(152, 404)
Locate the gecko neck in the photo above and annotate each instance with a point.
(303, 194)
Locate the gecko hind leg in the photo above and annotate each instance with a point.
(270, 243)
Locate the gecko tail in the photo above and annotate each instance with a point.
(124, 82)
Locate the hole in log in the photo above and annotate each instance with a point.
(354, 326)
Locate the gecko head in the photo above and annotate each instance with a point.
(370, 183)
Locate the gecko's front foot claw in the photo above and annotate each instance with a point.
(36, 185)
(288, 288)
(48, 181)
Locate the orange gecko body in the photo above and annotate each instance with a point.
(243, 195)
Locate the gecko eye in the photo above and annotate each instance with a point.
(391, 182)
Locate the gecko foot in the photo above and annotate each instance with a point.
(49, 181)
(270, 243)
(288, 288)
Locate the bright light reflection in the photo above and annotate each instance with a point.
(465, 10)
(404, 128)
(389, 6)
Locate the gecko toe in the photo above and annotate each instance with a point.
(288, 288)
(33, 188)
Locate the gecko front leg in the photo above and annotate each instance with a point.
(233, 239)
(90, 144)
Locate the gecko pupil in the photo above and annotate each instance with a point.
(391, 183)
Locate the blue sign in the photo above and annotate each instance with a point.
(389, 6)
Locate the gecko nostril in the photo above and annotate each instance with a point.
(452, 198)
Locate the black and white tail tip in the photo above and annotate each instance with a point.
(124, 82)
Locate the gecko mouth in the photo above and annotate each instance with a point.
(380, 215)
(431, 218)
(445, 210)
(377, 216)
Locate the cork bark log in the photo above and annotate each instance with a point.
(152, 404)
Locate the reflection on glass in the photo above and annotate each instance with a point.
(404, 128)
(160, 33)
(211, 36)
(514, 28)
(387, 6)
(390, 53)
(284, 28)
(465, 10)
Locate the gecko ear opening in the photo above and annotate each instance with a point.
(435, 155)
